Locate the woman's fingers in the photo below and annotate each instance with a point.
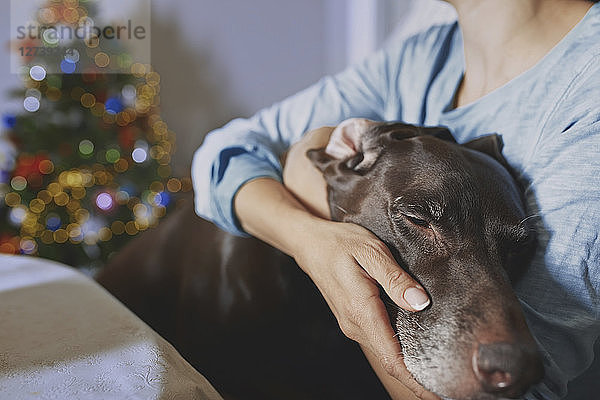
(346, 262)
(381, 341)
(384, 345)
(375, 258)
(364, 319)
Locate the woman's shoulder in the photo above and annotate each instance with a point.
(415, 62)
(582, 48)
(578, 104)
(432, 40)
(575, 75)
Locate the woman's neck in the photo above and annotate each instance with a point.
(504, 38)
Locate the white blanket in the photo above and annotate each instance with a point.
(62, 336)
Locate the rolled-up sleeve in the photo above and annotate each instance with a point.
(216, 180)
(246, 149)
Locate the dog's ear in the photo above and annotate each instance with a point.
(320, 158)
(346, 138)
(402, 131)
(346, 147)
(438, 132)
(329, 165)
(354, 147)
(490, 145)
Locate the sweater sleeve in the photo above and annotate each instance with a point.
(246, 149)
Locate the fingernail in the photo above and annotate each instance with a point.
(417, 298)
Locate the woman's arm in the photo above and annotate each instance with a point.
(344, 260)
(246, 149)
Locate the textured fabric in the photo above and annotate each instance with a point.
(549, 120)
(62, 336)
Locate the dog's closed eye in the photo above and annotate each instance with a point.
(411, 214)
(416, 221)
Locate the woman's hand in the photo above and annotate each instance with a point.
(344, 260)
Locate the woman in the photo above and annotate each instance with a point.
(526, 69)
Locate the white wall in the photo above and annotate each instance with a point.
(219, 59)
(228, 58)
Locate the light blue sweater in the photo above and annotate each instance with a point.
(549, 120)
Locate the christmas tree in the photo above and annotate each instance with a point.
(92, 165)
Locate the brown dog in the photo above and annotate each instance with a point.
(247, 317)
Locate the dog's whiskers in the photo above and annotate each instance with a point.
(529, 217)
(411, 358)
(341, 209)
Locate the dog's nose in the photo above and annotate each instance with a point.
(506, 368)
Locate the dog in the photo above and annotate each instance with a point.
(247, 317)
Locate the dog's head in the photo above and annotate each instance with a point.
(453, 217)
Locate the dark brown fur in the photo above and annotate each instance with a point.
(248, 318)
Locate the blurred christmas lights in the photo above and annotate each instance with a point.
(37, 73)
(104, 201)
(31, 104)
(139, 155)
(68, 67)
(49, 196)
